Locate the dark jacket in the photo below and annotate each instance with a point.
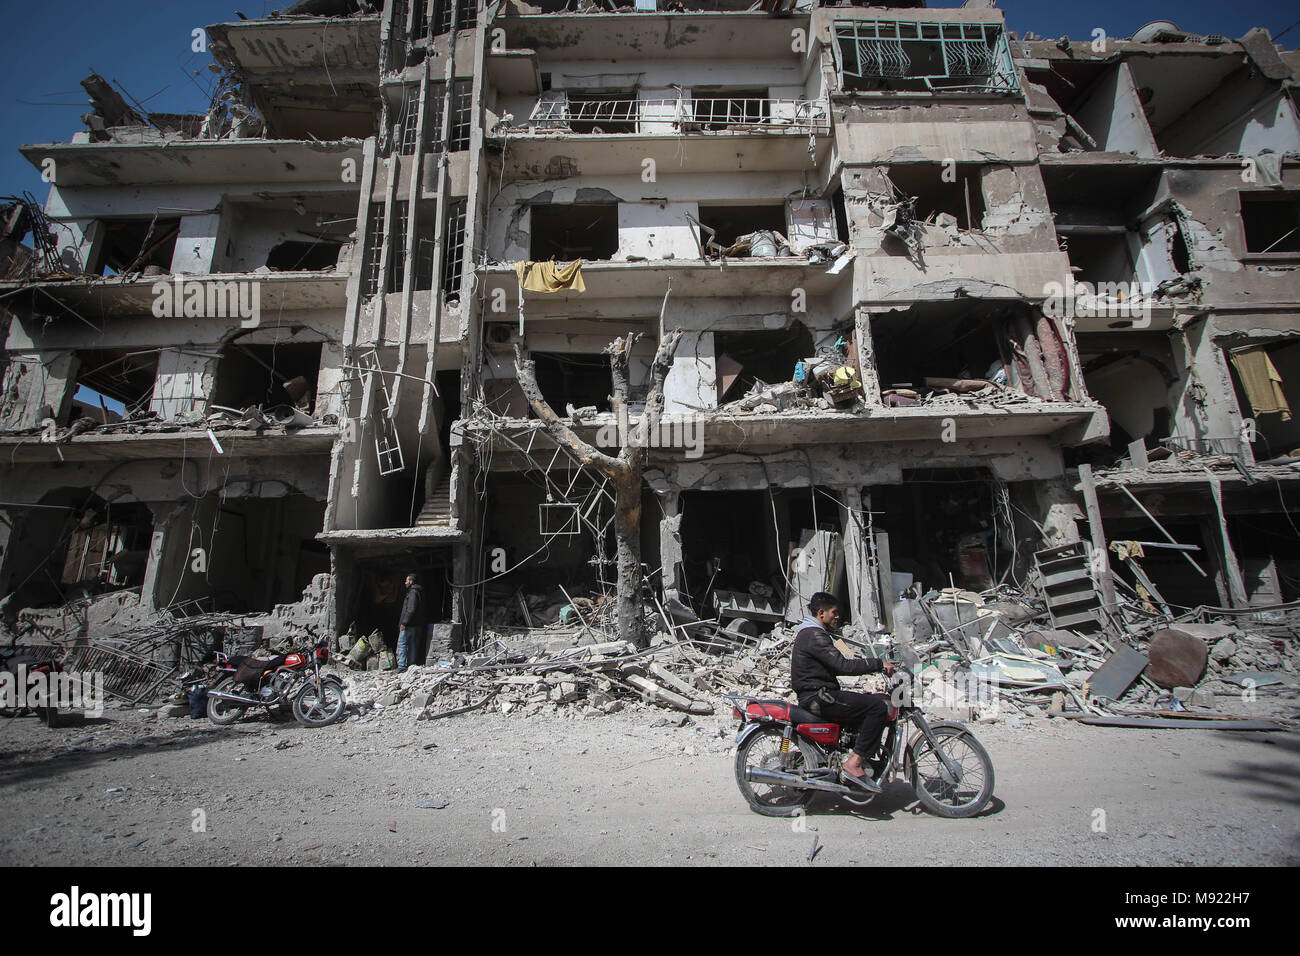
(413, 607)
(816, 662)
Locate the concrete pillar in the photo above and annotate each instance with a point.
(692, 382)
(196, 244)
(866, 357)
(183, 384)
(165, 520)
(864, 592)
(670, 543)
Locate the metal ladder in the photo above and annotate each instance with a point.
(388, 446)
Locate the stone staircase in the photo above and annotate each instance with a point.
(436, 512)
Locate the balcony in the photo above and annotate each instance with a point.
(603, 134)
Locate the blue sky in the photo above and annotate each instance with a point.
(145, 45)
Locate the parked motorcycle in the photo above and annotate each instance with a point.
(785, 754)
(290, 681)
(48, 714)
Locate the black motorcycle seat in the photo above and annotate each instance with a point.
(800, 716)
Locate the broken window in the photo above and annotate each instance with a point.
(1099, 257)
(407, 122)
(453, 261)
(295, 256)
(113, 380)
(577, 380)
(565, 231)
(374, 250)
(729, 223)
(466, 14)
(903, 55)
(132, 245)
(397, 249)
(265, 375)
(1271, 222)
(730, 109)
(108, 548)
(746, 359)
(953, 189)
(462, 103)
(433, 121)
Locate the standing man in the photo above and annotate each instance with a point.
(813, 669)
(411, 624)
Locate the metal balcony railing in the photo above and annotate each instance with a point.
(670, 115)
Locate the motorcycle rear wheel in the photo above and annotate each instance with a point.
(925, 772)
(223, 712)
(763, 750)
(319, 708)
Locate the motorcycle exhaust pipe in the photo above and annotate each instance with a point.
(777, 778)
(223, 695)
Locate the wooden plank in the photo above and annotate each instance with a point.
(1105, 579)
(886, 568)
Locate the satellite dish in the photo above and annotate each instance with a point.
(1154, 29)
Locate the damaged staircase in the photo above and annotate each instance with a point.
(436, 512)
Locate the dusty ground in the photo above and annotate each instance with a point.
(122, 789)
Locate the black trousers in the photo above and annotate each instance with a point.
(848, 707)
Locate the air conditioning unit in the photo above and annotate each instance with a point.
(500, 333)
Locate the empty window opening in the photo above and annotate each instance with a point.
(1133, 381)
(1266, 379)
(942, 522)
(894, 55)
(1100, 257)
(602, 111)
(120, 376)
(962, 198)
(260, 552)
(296, 256)
(424, 249)
(841, 216)
(574, 379)
(453, 262)
(132, 245)
(730, 109)
(1271, 223)
(745, 359)
(75, 543)
(374, 250)
(265, 375)
(925, 350)
(729, 223)
(565, 231)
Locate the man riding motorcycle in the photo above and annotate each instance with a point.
(813, 669)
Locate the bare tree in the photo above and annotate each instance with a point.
(624, 469)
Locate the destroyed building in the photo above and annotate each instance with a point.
(951, 297)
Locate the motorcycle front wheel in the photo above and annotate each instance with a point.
(763, 750)
(935, 788)
(318, 704)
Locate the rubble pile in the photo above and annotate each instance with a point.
(587, 681)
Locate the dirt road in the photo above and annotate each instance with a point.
(131, 788)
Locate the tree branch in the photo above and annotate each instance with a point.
(555, 426)
(659, 368)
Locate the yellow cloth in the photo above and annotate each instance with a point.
(1263, 384)
(550, 277)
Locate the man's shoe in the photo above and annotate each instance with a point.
(864, 782)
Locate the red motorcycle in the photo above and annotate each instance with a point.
(287, 681)
(785, 754)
